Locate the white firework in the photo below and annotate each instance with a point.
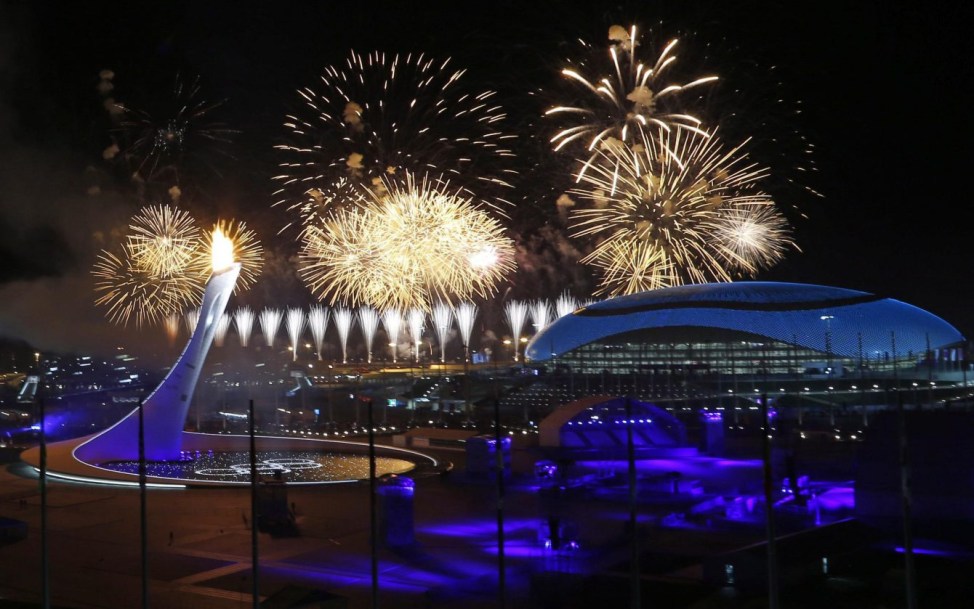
(368, 319)
(295, 325)
(318, 322)
(540, 314)
(465, 314)
(565, 305)
(392, 322)
(243, 319)
(270, 322)
(516, 313)
(220, 333)
(191, 318)
(343, 322)
(442, 319)
(172, 327)
(415, 319)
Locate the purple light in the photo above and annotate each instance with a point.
(712, 416)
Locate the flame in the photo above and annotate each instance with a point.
(222, 251)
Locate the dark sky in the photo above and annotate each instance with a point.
(881, 87)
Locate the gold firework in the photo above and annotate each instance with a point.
(630, 99)
(676, 208)
(163, 240)
(407, 246)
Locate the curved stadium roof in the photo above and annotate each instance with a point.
(787, 312)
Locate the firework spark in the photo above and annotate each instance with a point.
(392, 322)
(442, 320)
(172, 140)
(294, 322)
(628, 101)
(664, 212)
(130, 293)
(343, 322)
(411, 244)
(220, 332)
(191, 318)
(163, 241)
(540, 314)
(243, 319)
(516, 313)
(415, 319)
(318, 322)
(270, 323)
(465, 314)
(171, 323)
(565, 304)
(368, 320)
(383, 114)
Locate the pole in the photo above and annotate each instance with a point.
(911, 596)
(769, 506)
(45, 558)
(143, 521)
(373, 513)
(498, 454)
(254, 556)
(634, 590)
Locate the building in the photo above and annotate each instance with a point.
(715, 344)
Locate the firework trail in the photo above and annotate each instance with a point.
(318, 322)
(414, 244)
(662, 211)
(565, 304)
(392, 322)
(516, 313)
(368, 319)
(380, 115)
(294, 321)
(442, 320)
(191, 318)
(243, 319)
(343, 322)
(270, 322)
(173, 140)
(628, 100)
(172, 327)
(415, 319)
(540, 314)
(220, 332)
(465, 314)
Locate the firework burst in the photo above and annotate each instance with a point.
(270, 323)
(171, 138)
(627, 100)
(379, 115)
(465, 314)
(415, 319)
(410, 245)
(670, 209)
(343, 322)
(163, 241)
(130, 293)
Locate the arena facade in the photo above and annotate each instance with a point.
(713, 344)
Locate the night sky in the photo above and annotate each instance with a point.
(880, 88)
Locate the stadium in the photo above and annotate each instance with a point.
(812, 350)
